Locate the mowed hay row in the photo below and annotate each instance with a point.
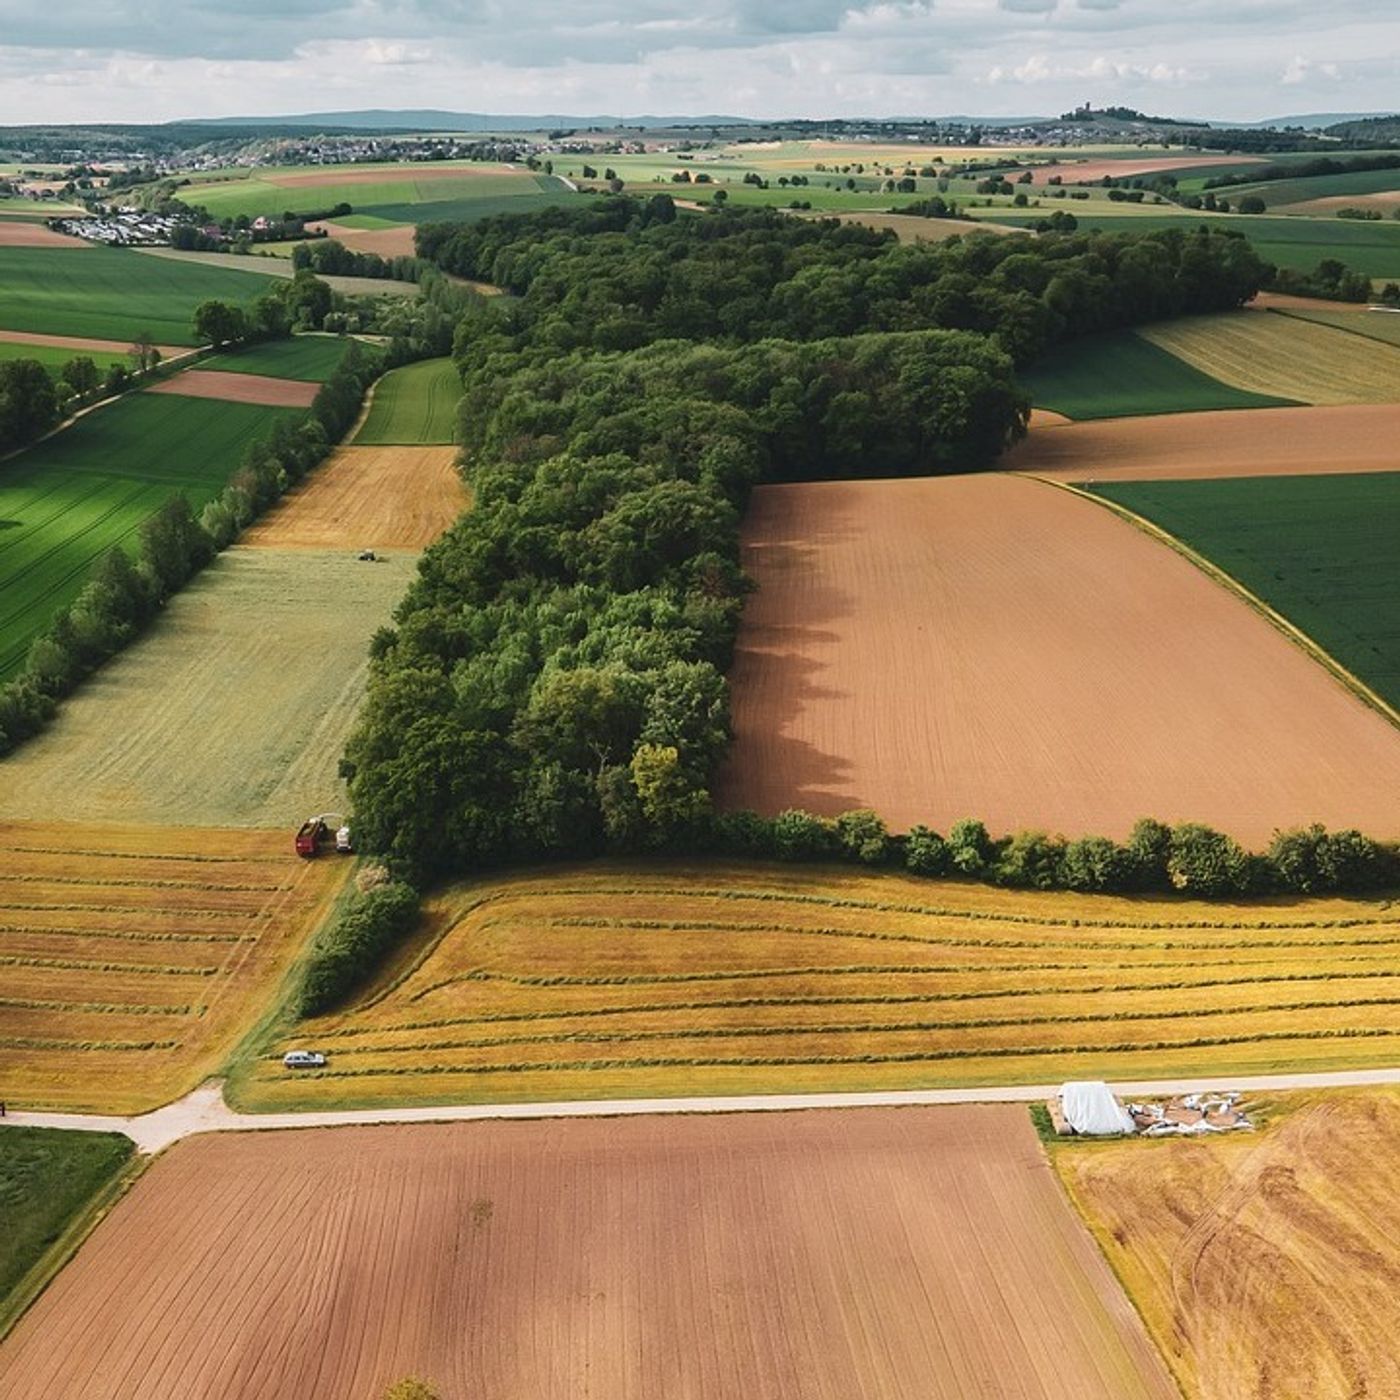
(1262, 442)
(866, 1255)
(368, 497)
(1263, 1265)
(679, 980)
(234, 709)
(996, 647)
(1270, 354)
(133, 958)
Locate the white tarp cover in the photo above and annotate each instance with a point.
(1091, 1109)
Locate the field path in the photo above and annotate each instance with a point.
(204, 1110)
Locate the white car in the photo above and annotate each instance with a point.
(303, 1059)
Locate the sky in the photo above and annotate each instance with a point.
(158, 60)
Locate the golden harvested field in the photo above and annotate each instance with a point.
(239, 388)
(132, 959)
(386, 242)
(232, 711)
(1281, 355)
(924, 1254)
(1264, 1265)
(610, 981)
(1261, 442)
(367, 497)
(997, 647)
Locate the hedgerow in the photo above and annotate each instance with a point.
(349, 948)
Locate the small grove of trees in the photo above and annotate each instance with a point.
(29, 403)
(304, 302)
(351, 945)
(331, 258)
(1330, 279)
(125, 593)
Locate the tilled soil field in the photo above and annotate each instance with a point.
(1262, 442)
(240, 388)
(995, 647)
(367, 497)
(864, 1255)
(132, 958)
(1265, 1265)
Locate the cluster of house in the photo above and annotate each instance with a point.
(1091, 1109)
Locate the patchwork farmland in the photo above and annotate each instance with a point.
(510, 1259)
(658, 980)
(1058, 665)
(134, 958)
(1262, 1264)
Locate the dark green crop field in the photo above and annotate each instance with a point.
(310, 357)
(415, 405)
(1275, 192)
(1319, 549)
(68, 500)
(113, 293)
(1121, 375)
(47, 1178)
(469, 207)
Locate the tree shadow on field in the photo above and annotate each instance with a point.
(785, 658)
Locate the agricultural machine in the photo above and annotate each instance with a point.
(316, 833)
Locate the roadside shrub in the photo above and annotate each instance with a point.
(925, 852)
(970, 848)
(1030, 860)
(348, 950)
(799, 835)
(1205, 862)
(861, 836)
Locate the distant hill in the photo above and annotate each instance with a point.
(1315, 121)
(1367, 129)
(435, 120)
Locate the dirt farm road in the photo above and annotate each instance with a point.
(203, 1110)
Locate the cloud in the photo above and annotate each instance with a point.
(1299, 70)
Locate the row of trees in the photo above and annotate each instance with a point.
(556, 681)
(331, 258)
(124, 594)
(1188, 859)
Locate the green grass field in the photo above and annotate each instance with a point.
(311, 357)
(1276, 192)
(1122, 375)
(413, 405)
(68, 500)
(1318, 549)
(48, 1178)
(54, 357)
(113, 293)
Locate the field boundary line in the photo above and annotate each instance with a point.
(1347, 679)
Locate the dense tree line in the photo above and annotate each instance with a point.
(620, 273)
(555, 684)
(1305, 169)
(125, 594)
(331, 258)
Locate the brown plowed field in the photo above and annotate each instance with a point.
(133, 958)
(866, 1255)
(1262, 442)
(1386, 201)
(79, 342)
(17, 233)
(1264, 1266)
(239, 388)
(386, 242)
(1073, 172)
(996, 647)
(375, 497)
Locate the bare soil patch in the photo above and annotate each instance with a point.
(992, 646)
(1082, 172)
(1263, 1266)
(368, 497)
(79, 342)
(862, 1255)
(386, 242)
(15, 233)
(240, 388)
(1386, 201)
(1262, 442)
